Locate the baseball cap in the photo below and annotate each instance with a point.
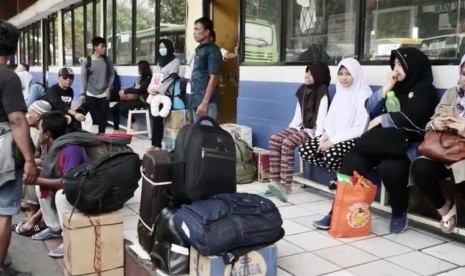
(66, 71)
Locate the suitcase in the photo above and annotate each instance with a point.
(156, 179)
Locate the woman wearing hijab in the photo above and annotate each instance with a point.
(133, 97)
(162, 80)
(427, 172)
(391, 142)
(347, 118)
(309, 116)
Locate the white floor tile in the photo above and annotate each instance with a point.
(255, 186)
(381, 268)
(303, 197)
(312, 241)
(381, 247)
(421, 263)
(135, 207)
(131, 235)
(282, 273)
(341, 273)
(414, 239)
(306, 264)
(293, 211)
(380, 226)
(130, 222)
(454, 272)
(308, 221)
(350, 240)
(319, 207)
(345, 255)
(452, 252)
(286, 248)
(291, 227)
(126, 211)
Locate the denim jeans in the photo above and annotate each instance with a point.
(212, 111)
(11, 194)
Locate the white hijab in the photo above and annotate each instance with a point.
(26, 79)
(347, 112)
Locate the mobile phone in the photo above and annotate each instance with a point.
(445, 110)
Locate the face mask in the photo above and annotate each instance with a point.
(163, 52)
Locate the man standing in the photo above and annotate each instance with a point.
(97, 74)
(204, 81)
(13, 130)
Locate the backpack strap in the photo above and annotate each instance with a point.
(88, 65)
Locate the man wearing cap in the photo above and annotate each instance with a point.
(60, 95)
(13, 128)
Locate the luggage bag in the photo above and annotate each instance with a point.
(156, 179)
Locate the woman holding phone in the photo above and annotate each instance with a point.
(426, 173)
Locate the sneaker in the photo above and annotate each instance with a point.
(8, 271)
(323, 223)
(332, 185)
(398, 224)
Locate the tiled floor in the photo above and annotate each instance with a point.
(307, 251)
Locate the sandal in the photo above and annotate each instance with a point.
(278, 192)
(266, 193)
(445, 224)
(46, 234)
(58, 252)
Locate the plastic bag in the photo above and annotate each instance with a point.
(351, 216)
(87, 123)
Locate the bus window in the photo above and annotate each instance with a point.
(260, 42)
(444, 47)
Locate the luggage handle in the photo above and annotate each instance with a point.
(151, 182)
(207, 118)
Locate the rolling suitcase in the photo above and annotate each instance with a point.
(156, 179)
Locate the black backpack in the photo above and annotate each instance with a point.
(103, 185)
(204, 162)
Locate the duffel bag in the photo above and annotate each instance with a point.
(103, 185)
(226, 222)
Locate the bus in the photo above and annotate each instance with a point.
(444, 46)
(145, 43)
(261, 44)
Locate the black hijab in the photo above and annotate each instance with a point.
(416, 93)
(309, 96)
(163, 61)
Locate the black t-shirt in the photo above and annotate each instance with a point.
(11, 93)
(59, 98)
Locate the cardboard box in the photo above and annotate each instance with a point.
(113, 272)
(177, 119)
(262, 262)
(93, 243)
(239, 131)
(261, 159)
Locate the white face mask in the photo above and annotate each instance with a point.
(163, 52)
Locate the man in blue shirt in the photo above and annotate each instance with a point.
(207, 67)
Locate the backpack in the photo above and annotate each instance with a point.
(245, 170)
(103, 185)
(178, 93)
(228, 222)
(204, 162)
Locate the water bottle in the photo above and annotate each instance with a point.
(392, 103)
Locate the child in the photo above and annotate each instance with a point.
(310, 113)
(347, 118)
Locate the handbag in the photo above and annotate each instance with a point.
(391, 142)
(443, 146)
(351, 215)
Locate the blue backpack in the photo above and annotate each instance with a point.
(178, 102)
(228, 223)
